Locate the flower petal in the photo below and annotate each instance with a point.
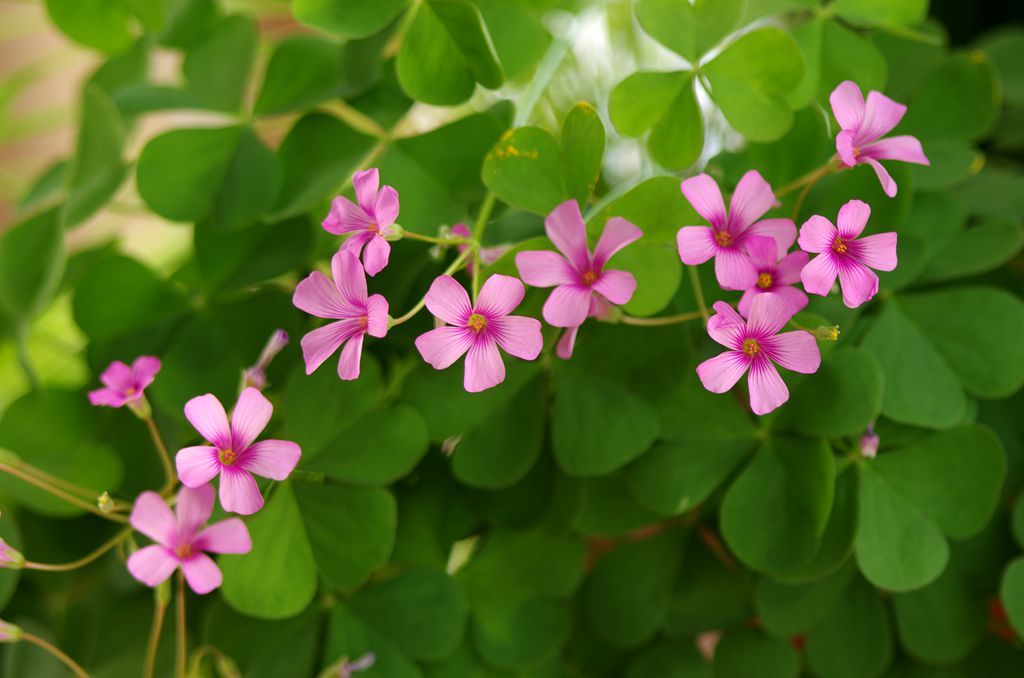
(274, 459)
(904, 148)
(847, 104)
(251, 415)
(366, 183)
(197, 465)
(733, 269)
(144, 371)
(817, 235)
(201, 573)
(448, 300)
(566, 343)
(500, 295)
(743, 305)
(768, 314)
(763, 251)
(881, 114)
(719, 374)
(345, 216)
(518, 335)
(617, 234)
(239, 492)
(377, 316)
(767, 390)
(193, 509)
(845, 149)
(376, 255)
(349, 360)
(795, 298)
(876, 251)
(853, 217)
(751, 199)
(787, 271)
(318, 296)
(441, 347)
(616, 286)
(888, 183)
(226, 536)
(819, 275)
(782, 231)
(385, 210)
(544, 268)
(118, 376)
(726, 327)
(567, 306)
(703, 193)
(108, 397)
(152, 517)
(319, 344)
(152, 565)
(484, 367)
(796, 351)
(858, 282)
(565, 227)
(696, 244)
(349, 280)
(208, 417)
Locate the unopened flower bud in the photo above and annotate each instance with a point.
(827, 333)
(140, 407)
(10, 557)
(869, 443)
(105, 503)
(226, 667)
(449, 445)
(256, 376)
(9, 633)
(361, 664)
(395, 232)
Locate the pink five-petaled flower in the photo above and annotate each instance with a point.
(369, 221)
(577, 274)
(181, 540)
(863, 125)
(123, 385)
(345, 301)
(841, 254)
(731, 231)
(774, 275)
(479, 330)
(754, 345)
(235, 455)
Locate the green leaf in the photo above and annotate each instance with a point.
(774, 514)
(882, 12)
(217, 67)
(687, 29)
(841, 399)
(664, 660)
(101, 24)
(750, 80)
(897, 547)
(834, 53)
(32, 260)
(1011, 593)
(97, 169)
(960, 100)
(277, 579)
(237, 259)
(942, 622)
(348, 18)
(582, 151)
(1004, 47)
(789, 609)
(920, 386)
(969, 326)
(303, 71)
(445, 52)
(422, 610)
(626, 596)
(977, 249)
(709, 595)
(525, 170)
(665, 104)
(119, 295)
(187, 174)
(598, 425)
(854, 639)
(378, 448)
(519, 37)
(350, 529)
(745, 652)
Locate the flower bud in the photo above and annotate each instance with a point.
(10, 557)
(827, 333)
(9, 633)
(105, 503)
(869, 443)
(361, 664)
(256, 376)
(395, 232)
(226, 667)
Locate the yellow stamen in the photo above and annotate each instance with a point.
(839, 246)
(764, 281)
(751, 347)
(184, 551)
(477, 323)
(227, 457)
(723, 238)
(589, 277)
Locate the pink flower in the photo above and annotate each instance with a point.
(344, 300)
(124, 385)
(577, 274)
(774, 275)
(731, 231)
(235, 455)
(256, 376)
(599, 308)
(478, 331)
(839, 254)
(863, 126)
(869, 443)
(10, 557)
(369, 222)
(754, 345)
(488, 255)
(182, 541)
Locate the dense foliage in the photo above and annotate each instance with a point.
(596, 511)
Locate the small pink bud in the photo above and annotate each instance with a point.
(869, 443)
(359, 665)
(256, 376)
(10, 557)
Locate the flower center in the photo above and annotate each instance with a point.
(227, 457)
(723, 238)
(363, 321)
(751, 347)
(589, 278)
(374, 227)
(183, 551)
(477, 323)
(764, 281)
(839, 246)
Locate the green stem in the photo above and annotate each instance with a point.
(39, 473)
(84, 560)
(813, 176)
(455, 265)
(153, 644)
(453, 240)
(165, 457)
(698, 292)
(181, 643)
(478, 235)
(53, 650)
(663, 320)
(61, 494)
